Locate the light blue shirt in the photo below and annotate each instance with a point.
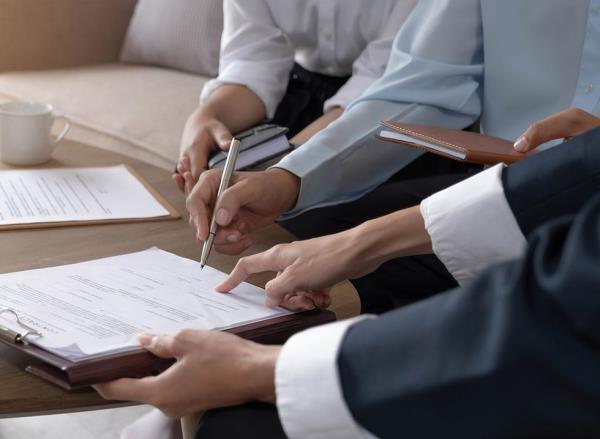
(508, 62)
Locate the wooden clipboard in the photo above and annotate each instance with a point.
(173, 213)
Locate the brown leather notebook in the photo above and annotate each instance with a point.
(136, 364)
(464, 146)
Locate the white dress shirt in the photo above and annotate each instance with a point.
(262, 39)
(471, 227)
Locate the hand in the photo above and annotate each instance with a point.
(213, 369)
(563, 125)
(253, 200)
(307, 269)
(203, 134)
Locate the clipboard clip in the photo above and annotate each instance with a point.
(14, 336)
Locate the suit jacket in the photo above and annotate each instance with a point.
(555, 182)
(516, 353)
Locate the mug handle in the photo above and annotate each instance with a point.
(65, 130)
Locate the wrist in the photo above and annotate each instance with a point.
(399, 234)
(365, 241)
(288, 185)
(203, 114)
(260, 376)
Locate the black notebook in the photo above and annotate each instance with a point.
(258, 145)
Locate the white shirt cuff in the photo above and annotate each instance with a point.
(351, 90)
(310, 400)
(472, 226)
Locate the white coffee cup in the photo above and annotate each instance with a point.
(25, 128)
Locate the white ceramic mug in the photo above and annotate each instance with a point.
(25, 128)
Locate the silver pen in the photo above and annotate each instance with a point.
(232, 156)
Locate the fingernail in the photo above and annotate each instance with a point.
(145, 339)
(521, 144)
(222, 217)
(232, 238)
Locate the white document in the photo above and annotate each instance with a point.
(92, 308)
(74, 194)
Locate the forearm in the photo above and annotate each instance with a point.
(345, 160)
(396, 235)
(236, 106)
(320, 124)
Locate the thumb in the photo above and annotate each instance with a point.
(233, 198)
(567, 123)
(160, 345)
(220, 134)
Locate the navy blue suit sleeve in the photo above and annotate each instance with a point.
(516, 353)
(555, 182)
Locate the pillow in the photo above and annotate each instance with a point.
(179, 34)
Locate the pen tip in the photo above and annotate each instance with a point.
(201, 267)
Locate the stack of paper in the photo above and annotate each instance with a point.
(93, 308)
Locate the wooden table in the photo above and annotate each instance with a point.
(22, 394)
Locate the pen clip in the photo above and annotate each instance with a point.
(14, 336)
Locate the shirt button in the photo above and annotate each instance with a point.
(589, 88)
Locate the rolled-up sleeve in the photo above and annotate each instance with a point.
(472, 226)
(254, 53)
(309, 395)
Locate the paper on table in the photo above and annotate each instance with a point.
(97, 307)
(74, 194)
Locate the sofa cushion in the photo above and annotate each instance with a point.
(133, 110)
(179, 34)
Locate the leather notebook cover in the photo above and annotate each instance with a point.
(73, 375)
(458, 145)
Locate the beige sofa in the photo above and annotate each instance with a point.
(66, 52)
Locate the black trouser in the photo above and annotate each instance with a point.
(304, 98)
(254, 420)
(400, 281)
